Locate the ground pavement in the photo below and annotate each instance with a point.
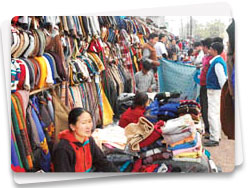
(224, 154)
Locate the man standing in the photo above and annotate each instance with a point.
(198, 52)
(216, 78)
(160, 47)
(203, 91)
(149, 52)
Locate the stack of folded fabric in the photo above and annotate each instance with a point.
(121, 158)
(152, 111)
(112, 135)
(190, 107)
(168, 111)
(155, 111)
(182, 139)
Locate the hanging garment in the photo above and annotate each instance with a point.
(44, 163)
(21, 133)
(60, 115)
(107, 110)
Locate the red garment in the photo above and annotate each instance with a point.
(149, 168)
(131, 116)
(156, 134)
(17, 168)
(137, 165)
(22, 75)
(204, 71)
(224, 56)
(180, 45)
(83, 152)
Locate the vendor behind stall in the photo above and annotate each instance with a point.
(137, 110)
(77, 150)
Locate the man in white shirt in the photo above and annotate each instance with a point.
(160, 47)
(216, 78)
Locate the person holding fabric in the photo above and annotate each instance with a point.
(203, 90)
(77, 150)
(144, 79)
(160, 47)
(216, 78)
(149, 51)
(137, 110)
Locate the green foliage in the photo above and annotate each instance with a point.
(212, 29)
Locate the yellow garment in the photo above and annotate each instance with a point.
(43, 70)
(188, 139)
(142, 42)
(194, 155)
(94, 57)
(75, 52)
(135, 63)
(107, 110)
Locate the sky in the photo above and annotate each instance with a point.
(175, 22)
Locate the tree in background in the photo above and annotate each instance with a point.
(200, 31)
(211, 29)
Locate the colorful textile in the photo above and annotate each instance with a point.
(184, 146)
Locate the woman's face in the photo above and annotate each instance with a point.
(83, 126)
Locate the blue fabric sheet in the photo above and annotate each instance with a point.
(178, 77)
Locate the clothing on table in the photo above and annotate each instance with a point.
(131, 116)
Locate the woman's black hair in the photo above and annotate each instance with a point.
(140, 99)
(73, 115)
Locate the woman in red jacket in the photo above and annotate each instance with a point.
(137, 110)
(77, 150)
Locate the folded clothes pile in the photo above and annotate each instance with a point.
(182, 139)
(190, 107)
(155, 111)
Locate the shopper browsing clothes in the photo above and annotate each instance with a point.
(216, 78)
(137, 110)
(203, 90)
(77, 150)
